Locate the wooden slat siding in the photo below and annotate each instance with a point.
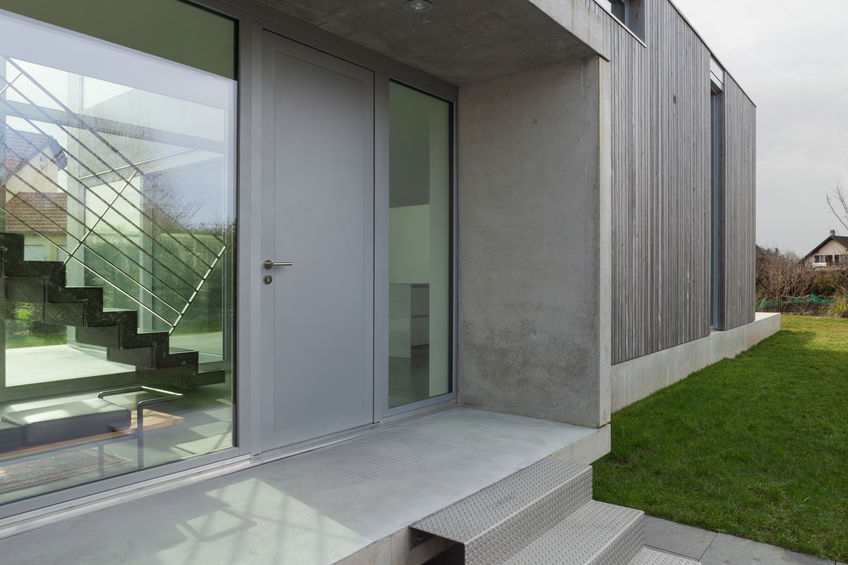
(739, 206)
(661, 185)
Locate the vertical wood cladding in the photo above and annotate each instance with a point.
(661, 185)
(738, 249)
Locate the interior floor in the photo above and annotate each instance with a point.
(409, 377)
(51, 363)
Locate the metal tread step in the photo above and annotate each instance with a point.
(500, 519)
(648, 556)
(596, 534)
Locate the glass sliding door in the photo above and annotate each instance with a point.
(117, 171)
(419, 245)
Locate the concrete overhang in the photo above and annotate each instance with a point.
(465, 41)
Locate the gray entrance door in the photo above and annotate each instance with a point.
(318, 201)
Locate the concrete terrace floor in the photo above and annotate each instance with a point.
(316, 507)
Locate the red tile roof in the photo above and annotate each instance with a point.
(33, 211)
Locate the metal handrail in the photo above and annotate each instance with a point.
(88, 268)
(93, 251)
(196, 290)
(81, 241)
(117, 211)
(106, 183)
(94, 132)
(119, 194)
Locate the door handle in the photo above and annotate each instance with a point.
(268, 264)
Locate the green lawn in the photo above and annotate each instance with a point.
(755, 446)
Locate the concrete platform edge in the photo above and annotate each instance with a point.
(635, 379)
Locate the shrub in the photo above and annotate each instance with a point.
(840, 307)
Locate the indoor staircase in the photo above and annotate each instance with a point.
(542, 514)
(44, 283)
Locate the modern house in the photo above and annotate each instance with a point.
(832, 252)
(352, 263)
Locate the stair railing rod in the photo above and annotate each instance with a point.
(9, 83)
(139, 210)
(139, 163)
(197, 289)
(93, 251)
(111, 204)
(115, 247)
(88, 268)
(92, 172)
(101, 218)
(89, 231)
(117, 211)
(85, 126)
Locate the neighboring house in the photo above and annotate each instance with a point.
(31, 162)
(536, 208)
(832, 252)
(33, 201)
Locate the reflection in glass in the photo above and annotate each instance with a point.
(419, 246)
(116, 219)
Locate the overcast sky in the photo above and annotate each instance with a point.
(791, 58)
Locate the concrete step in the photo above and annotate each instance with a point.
(596, 534)
(649, 556)
(501, 519)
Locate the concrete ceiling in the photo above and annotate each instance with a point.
(459, 41)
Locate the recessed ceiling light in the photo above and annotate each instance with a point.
(418, 5)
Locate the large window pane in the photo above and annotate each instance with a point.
(419, 246)
(117, 171)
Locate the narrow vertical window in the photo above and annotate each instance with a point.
(619, 10)
(716, 201)
(419, 246)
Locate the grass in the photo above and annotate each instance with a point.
(755, 446)
(16, 341)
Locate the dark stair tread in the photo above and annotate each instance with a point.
(63, 294)
(116, 329)
(50, 270)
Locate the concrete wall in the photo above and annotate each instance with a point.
(638, 378)
(533, 243)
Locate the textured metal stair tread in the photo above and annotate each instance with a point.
(649, 556)
(597, 533)
(484, 510)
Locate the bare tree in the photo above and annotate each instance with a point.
(837, 200)
(782, 278)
